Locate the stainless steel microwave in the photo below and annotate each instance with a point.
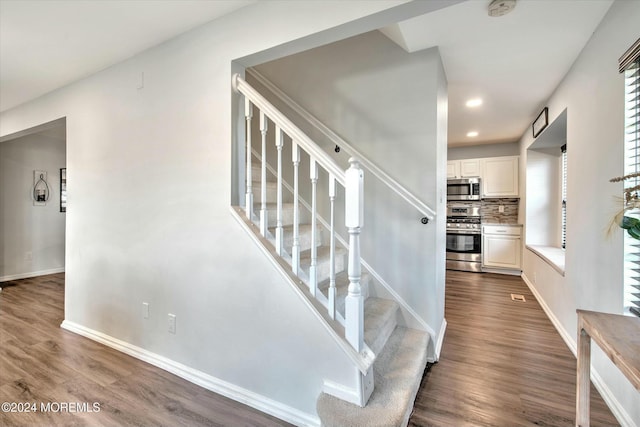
(463, 189)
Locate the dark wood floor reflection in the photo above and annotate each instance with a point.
(502, 362)
(40, 362)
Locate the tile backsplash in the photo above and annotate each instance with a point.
(491, 211)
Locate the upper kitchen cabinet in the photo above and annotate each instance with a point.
(463, 168)
(499, 176)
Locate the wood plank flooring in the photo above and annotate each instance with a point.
(40, 362)
(502, 362)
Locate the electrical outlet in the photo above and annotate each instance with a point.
(28, 256)
(172, 323)
(501, 208)
(145, 310)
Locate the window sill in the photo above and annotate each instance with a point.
(551, 255)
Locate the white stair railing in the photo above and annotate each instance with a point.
(279, 228)
(354, 218)
(351, 180)
(248, 114)
(264, 220)
(428, 213)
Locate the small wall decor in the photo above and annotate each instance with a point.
(63, 190)
(41, 190)
(540, 122)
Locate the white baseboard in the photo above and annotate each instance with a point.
(341, 392)
(232, 391)
(618, 411)
(31, 274)
(438, 343)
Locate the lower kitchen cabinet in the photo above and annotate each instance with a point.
(502, 247)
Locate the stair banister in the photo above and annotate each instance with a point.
(394, 185)
(332, 249)
(354, 219)
(351, 180)
(313, 272)
(264, 219)
(248, 114)
(295, 250)
(304, 141)
(279, 229)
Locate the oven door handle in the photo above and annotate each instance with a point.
(463, 232)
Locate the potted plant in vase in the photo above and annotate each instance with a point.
(631, 202)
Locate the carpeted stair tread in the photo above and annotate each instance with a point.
(398, 371)
(379, 322)
(323, 261)
(342, 288)
(256, 174)
(304, 232)
(287, 213)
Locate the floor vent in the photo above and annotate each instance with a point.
(517, 297)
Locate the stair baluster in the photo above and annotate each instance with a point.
(279, 229)
(354, 218)
(264, 215)
(332, 249)
(313, 272)
(295, 250)
(248, 114)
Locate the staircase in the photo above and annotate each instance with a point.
(370, 324)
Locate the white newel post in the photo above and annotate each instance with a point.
(313, 268)
(264, 220)
(248, 114)
(332, 249)
(279, 230)
(354, 218)
(295, 249)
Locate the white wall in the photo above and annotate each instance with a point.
(148, 217)
(484, 150)
(25, 228)
(592, 92)
(388, 104)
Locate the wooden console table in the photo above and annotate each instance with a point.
(619, 337)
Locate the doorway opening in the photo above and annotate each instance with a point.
(33, 203)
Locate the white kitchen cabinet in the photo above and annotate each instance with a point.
(502, 246)
(499, 176)
(463, 168)
(453, 169)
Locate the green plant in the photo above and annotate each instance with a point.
(631, 201)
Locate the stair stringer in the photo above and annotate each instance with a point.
(362, 362)
(378, 287)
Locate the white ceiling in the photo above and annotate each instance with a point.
(46, 44)
(513, 62)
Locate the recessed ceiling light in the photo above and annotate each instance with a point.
(472, 134)
(475, 102)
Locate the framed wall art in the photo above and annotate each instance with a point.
(541, 122)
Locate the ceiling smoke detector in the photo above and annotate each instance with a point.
(501, 7)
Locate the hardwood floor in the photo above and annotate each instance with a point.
(502, 362)
(41, 363)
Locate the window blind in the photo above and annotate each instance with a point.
(564, 196)
(630, 64)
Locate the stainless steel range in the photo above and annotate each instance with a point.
(464, 238)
